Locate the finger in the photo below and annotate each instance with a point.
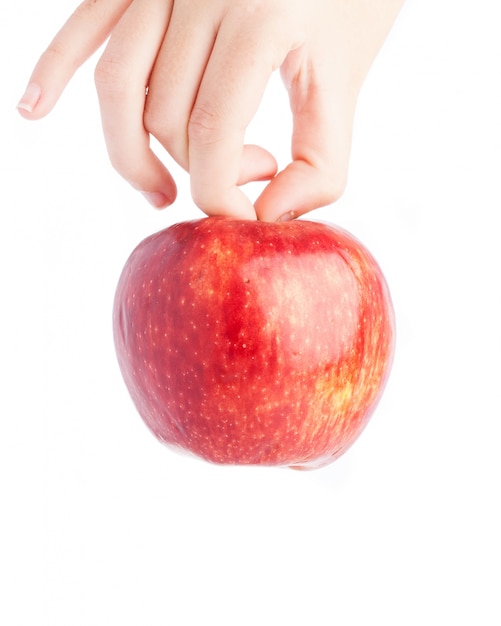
(175, 79)
(321, 142)
(257, 165)
(175, 82)
(121, 79)
(232, 87)
(82, 34)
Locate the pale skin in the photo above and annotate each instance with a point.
(192, 73)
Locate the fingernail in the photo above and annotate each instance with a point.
(157, 199)
(30, 98)
(287, 217)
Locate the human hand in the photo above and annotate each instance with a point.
(192, 73)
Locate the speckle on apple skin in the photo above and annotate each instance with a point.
(254, 343)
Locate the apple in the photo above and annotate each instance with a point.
(246, 342)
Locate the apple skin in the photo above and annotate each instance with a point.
(246, 342)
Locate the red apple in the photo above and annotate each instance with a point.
(246, 342)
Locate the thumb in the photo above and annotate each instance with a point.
(321, 143)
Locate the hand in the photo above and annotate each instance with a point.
(192, 74)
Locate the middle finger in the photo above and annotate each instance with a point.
(177, 74)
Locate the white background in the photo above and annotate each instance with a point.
(102, 525)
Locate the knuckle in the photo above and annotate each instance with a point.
(56, 55)
(204, 126)
(91, 12)
(124, 164)
(121, 165)
(109, 75)
(329, 179)
(169, 128)
(204, 200)
(88, 7)
(151, 122)
(159, 122)
(334, 186)
(332, 174)
(259, 9)
(212, 198)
